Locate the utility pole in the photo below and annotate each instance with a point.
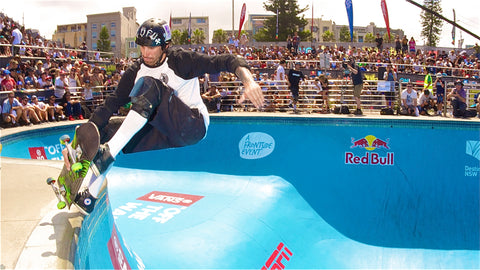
(233, 16)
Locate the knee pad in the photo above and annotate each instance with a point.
(146, 95)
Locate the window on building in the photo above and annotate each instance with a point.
(201, 20)
(94, 46)
(325, 29)
(112, 25)
(112, 33)
(176, 21)
(132, 44)
(102, 25)
(112, 44)
(94, 26)
(94, 34)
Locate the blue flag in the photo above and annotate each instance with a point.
(348, 5)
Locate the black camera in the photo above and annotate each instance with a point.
(345, 64)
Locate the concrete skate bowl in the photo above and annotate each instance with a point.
(281, 192)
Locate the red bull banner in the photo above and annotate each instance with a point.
(385, 16)
(370, 143)
(242, 19)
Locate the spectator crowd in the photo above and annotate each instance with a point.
(70, 83)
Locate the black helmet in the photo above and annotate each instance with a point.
(153, 32)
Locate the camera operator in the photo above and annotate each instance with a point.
(357, 79)
(458, 98)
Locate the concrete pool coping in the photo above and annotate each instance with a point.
(37, 235)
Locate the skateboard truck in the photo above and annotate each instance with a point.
(61, 204)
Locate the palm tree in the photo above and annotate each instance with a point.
(198, 36)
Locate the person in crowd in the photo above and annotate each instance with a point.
(40, 109)
(295, 75)
(72, 107)
(55, 111)
(212, 99)
(440, 92)
(8, 83)
(404, 44)
(280, 74)
(409, 101)
(11, 110)
(412, 46)
(426, 102)
(61, 84)
(16, 40)
(357, 79)
(379, 42)
(458, 99)
(390, 76)
(29, 116)
(31, 81)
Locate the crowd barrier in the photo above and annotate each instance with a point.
(278, 98)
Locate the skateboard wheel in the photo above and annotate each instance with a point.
(50, 180)
(77, 167)
(61, 205)
(64, 139)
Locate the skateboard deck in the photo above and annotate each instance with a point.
(81, 152)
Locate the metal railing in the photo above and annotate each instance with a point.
(278, 96)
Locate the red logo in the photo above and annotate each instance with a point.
(37, 153)
(170, 198)
(370, 143)
(274, 262)
(117, 256)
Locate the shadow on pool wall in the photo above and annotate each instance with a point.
(402, 184)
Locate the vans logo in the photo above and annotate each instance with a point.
(170, 198)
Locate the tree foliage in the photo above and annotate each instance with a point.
(289, 21)
(176, 36)
(219, 36)
(345, 35)
(431, 24)
(198, 36)
(103, 42)
(328, 36)
(369, 38)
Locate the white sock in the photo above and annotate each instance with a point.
(130, 126)
(96, 184)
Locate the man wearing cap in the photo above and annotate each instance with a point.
(294, 78)
(458, 99)
(11, 110)
(8, 83)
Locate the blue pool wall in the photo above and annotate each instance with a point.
(428, 198)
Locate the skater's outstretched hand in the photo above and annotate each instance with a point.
(252, 91)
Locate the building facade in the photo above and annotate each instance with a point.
(72, 35)
(120, 26)
(201, 23)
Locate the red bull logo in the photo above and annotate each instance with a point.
(370, 143)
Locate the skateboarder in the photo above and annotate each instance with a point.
(167, 108)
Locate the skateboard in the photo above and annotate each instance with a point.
(81, 152)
